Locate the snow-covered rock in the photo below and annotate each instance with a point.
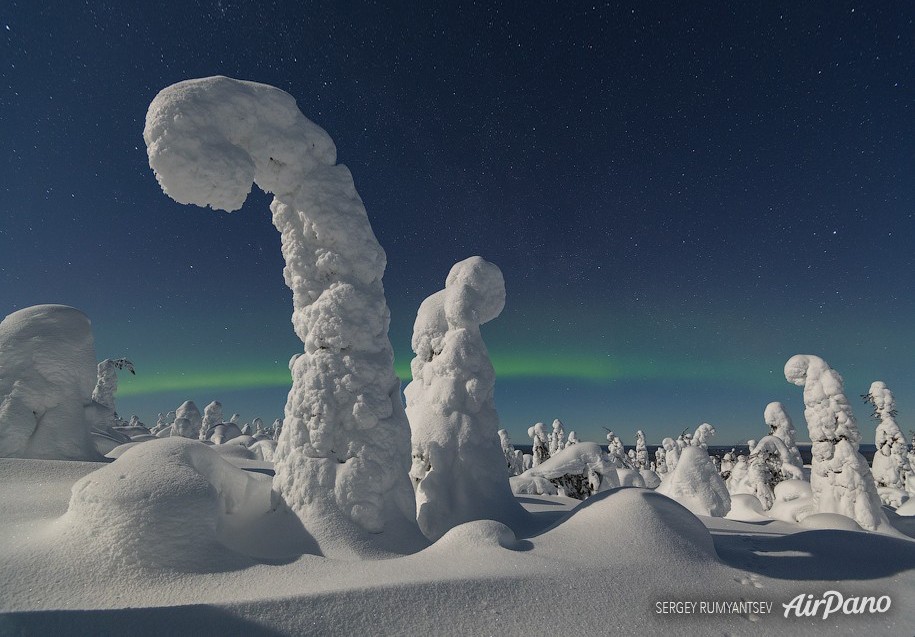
(459, 467)
(47, 375)
(343, 457)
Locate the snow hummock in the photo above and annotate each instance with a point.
(48, 371)
(459, 466)
(343, 456)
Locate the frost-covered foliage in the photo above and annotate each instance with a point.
(557, 437)
(573, 439)
(277, 428)
(641, 451)
(106, 385)
(342, 460)
(513, 460)
(47, 374)
(671, 453)
(768, 464)
(187, 412)
(840, 478)
(891, 463)
(694, 482)
(704, 433)
(780, 425)
(212, 416)
(578, 471)
(541, 449)
(459, 468)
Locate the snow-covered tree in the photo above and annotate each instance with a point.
(185, 428)
(258, 426)
(694, 482)
(106, 385)
(573, 439)
(557, 437)
(770, 463)
(727, 463)
(617, 452)
(189, 411)
(671, 453)
(235, 418)
(738, 481)
(459, 469)
(512, 460)
(890, 465)
(342, 460)
(277, 428)
(780, 425)
(840, 478)
(660, 461)
(641, 451)
(212, 416)
(541, 449)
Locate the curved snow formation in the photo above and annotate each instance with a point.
(459, 467)
(163, 503)
(839, 476)
(342, 459)
(47, 374)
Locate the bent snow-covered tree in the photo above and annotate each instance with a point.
(780, 426)
(342, 460)
(839, 476)
(459, 466)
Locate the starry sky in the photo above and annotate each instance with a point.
(680, 197)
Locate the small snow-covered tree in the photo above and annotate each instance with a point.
(738, 480)
(704, 433)
(641, 451)
(660, 461)
(512, 460)
(840, 478)
(617, 452)
(212, 416)
(541, 449)
(235, 418)
(342, 460)
(557, 437)
(769, 464)
(277, 428)
(189, 411)
(890, 465)
(727, 463)
(694, 482)
(671, 453)
(106, 386)
(258, 425)
(460, 469)
(780, 425)
(573, 439)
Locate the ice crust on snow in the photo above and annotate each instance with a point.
(48, 371)
(459, 467)
(342, 458)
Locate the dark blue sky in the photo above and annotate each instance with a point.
(680, 197)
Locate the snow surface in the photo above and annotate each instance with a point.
(48, 371)
(343, 455)
(568, 573)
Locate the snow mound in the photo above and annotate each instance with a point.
(163, 503)
(630, 478)
(478, 534)
(234, 451)
(696, 484)
(651, 479)
(584, 462)
(746, 507)
(835, 521)
(48, 371)
(907, 508)
(793, 501)
(641, 522)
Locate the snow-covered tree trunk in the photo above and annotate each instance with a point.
(460, 469)
(342, 459)
(840, 478)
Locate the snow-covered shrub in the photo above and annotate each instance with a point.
(47, 375)
(541, 449)
(573, 439)
(343, 456)
(793, 501)
(738, 481)
(660, 460)
(840, 478)
(780, 425)
(578, 471)
(890, 465)
(557, 437)
(769, 464)
(617, 452)
(459, 468)
(671, 453)
(694, 482)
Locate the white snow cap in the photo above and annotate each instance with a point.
(343, 456)
(47, 374)
(459, 468)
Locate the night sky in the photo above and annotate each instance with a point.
(680, 197)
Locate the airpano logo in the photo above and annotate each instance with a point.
(804, 605)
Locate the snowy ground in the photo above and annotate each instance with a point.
(601, 569)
